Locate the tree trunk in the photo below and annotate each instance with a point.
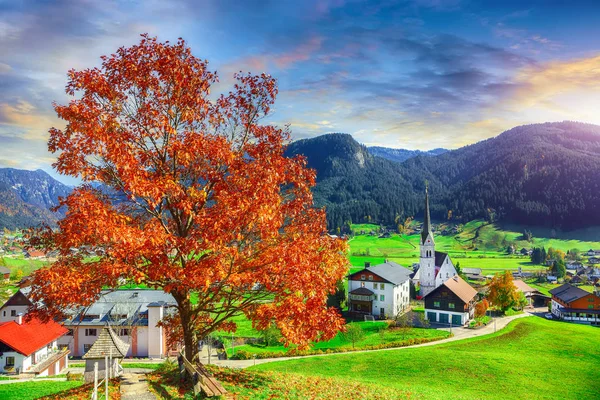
(190, 339)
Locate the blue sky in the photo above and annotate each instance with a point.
(413, 74)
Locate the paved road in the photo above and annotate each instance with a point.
(459, 334)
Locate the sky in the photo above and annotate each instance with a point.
(415, 74)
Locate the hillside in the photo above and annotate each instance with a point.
(538, 175)
(27, 196)
(496, 366)
(401, 155)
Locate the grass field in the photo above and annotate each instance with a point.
(372, 338)
(519, 362)
(479, 245)
(35, 390)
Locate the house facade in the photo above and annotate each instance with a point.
(435, 267)
(573, 304)
(453, 302)
(382, 291)
(133, 314)
(32, 347)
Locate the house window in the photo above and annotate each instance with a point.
(13, 313)
(69, 332)
(590, 300)
(591, 306)
(123, 332)
(436, 304)
(63, 346)
(382, 286)
(450, 305)
(10, 361)
(362, 277)
(370, 277)
(86, 347)
(91, 332)
(381, 298)
(362, 284)
(374, 285)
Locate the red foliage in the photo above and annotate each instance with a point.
(207, 202)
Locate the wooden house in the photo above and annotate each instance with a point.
(573, 304)
(108, 345)
(453, 302)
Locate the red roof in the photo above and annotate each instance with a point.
(29, 337)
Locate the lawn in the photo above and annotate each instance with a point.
(372, 337)
(519, 362)
(253, 385)
(35, 390)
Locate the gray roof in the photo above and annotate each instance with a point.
(4, 270)
(568, 293)
(108, 343)
(121, 307)
(391, 272)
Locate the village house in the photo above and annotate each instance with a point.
(573, 304)
(435, 267)
(453, 302)
(594, 260)
(32, 347)
(382, 290)
(534, 297)
(133, 314)
(5, 274)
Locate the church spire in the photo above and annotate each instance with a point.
(427, 222)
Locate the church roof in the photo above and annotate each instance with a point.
(439, 258)
(108, 343)
(427, 220)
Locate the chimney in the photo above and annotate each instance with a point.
(367, 264)
(19, 318)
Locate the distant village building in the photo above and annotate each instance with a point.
(435, 267)
(573, 304)
(31, 347)
(5, 274)
(453, 302)
(133, 314)
(382, 291)
(534, 297)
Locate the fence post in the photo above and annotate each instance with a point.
(106, 375)
(181, 366)
(95, 394)
(110, 372)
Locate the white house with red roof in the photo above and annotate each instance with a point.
(32, 347)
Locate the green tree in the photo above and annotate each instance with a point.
(404, 323)
(559, 269)
(338, 298)
(353, 334)
(574, 255)
(271, 336)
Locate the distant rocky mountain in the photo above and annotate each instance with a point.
(27, 196)
(539, 175)
(401, 155)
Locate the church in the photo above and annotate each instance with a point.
(435, 267)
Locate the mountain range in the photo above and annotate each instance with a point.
(539, 175)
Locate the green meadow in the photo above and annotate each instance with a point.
(478, 245)
(532, 358)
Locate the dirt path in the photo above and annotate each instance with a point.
(135, 387)
(459, 334)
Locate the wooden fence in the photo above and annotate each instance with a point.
(202, 379)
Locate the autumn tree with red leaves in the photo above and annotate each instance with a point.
(198, 198)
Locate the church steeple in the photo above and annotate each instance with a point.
(426, 231)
